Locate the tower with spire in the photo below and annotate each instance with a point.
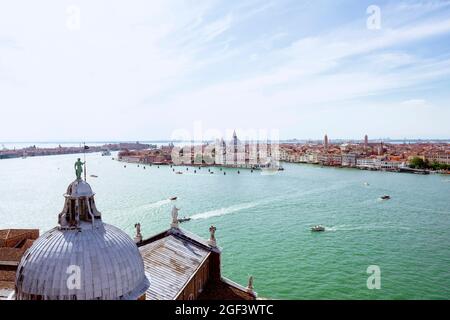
(235, 147)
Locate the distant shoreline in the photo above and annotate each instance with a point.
(36, 151)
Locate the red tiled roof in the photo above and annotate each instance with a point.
(17, 237)
(12, 233)
(7, 276)
(11, 254)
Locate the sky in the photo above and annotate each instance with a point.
(144, 70)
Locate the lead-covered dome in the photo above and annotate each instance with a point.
(83, 258)
(79, 188)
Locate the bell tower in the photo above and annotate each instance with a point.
(79, 206)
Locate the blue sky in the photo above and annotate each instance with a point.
(144, 69)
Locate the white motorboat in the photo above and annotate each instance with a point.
(269, 168)
(318, 228)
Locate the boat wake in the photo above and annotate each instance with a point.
(154, 205)
(344, 227)
(224, 211)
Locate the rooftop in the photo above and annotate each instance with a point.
(170, 262)
(13, 244)
(174, 257)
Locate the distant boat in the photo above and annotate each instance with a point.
(366, 184)
(385, 197)
(93, 176)
(318, 228)
(185, 219)
(173, 198)
(269, 168)
(178, 172)
(106, 153)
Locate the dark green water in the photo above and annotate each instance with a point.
(263, 221)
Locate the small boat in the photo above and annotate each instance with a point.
(318, 228)
(185, 219)
(385, 197)
(106, 153)
(173, 198)
(269, 168)
(93, 176)
(366, 183)
(178, 172)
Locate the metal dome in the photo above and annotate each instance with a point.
(79, 188)
(110, 266)
(81, 259)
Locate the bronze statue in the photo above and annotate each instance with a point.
(79, 168)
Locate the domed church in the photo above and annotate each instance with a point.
(82, 258)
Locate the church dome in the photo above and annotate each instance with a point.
(79, 188)
(82, 258)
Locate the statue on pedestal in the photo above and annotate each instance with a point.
(212, 238)
(78, 168)
(175, 221)
(138, 237)
(250, 283)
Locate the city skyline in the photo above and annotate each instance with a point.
(125, 73)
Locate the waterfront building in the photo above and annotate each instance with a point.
(368, 163)
(197, 154)
(377, 156)
(220, 152)
(381, 149)
(235, 152)
(330, 159)
(235, 148)
(349, 159)
(389, 165)
(442, 157)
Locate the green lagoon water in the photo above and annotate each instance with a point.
(263, 221)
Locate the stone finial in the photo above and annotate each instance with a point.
(138, 237)
(212, 238)
(175, 223)
(250, 283)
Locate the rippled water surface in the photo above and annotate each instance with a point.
(263, 222)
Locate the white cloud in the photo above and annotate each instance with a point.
(142, 70)
(414, 103)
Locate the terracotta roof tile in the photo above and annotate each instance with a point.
(11, 254)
